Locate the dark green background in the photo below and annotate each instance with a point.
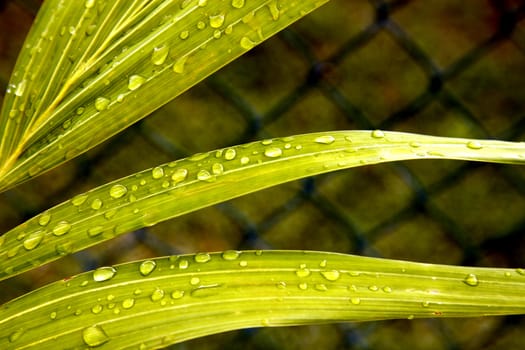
(450, 68)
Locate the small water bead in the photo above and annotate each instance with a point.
(273, 152)
(64, 248)
(202, 257)
(183, 264)
(117, 191)
(101, 103)
(216, 21)
(13, 251)
(387, 289)
(355, 300)
(33, 240)
(94, 336)
(243, 263)
(89, 4)
(159, 55)
(231, 255)
(96, 204)
(179, 175)
(204, 175)
(194, 281)
(474, 145)
(238, 4)
(246, 43)
(321, 287)
(104, 273)
(128, 303)
(44, 219)
(217, 169)
(20, 89)
(178, 67)
(378, 134)
(157, 173)
(323, 263)
(230, 154)
(95, 231)
(135, 82)
(177, 294)
(61, 228)
(325, 139)
(245, 160)
(425, 304)
(373, 288)
(202, 3)
(303, 286)
(97, 309)
(53, 315)
(332, 275)
(147, 267)
(471, 280)
(157, 294)
(302, 272)
(112, 212)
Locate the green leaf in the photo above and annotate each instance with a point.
(91, 68)
(179, 187)
(154, 303)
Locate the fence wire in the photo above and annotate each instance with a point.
(451, 68)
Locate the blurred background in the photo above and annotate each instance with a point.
(448, 67)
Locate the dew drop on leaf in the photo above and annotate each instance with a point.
(273, 152)
(378, 134)
(231, 255)
(101, 103)
(238, 4)
(246, 43)
(44, 219)
(183, 264)
(135, 82)
(61, 228)
(194, 281)
(159, 55)
(128, 303)
(325, 139)
(104, 274)
(157, 294)
(147, 267)
(178, 67)
(95, 231)
(117, 191)
(474, 145)
(94, 336)
(303, 286)
(79, 199)
(471, 280)
(157, 173)
(332, 275)
(33, 240)
(177, 294)
(202, 257)
(89, 4)
(230, 154)
(96, 204)
(355, 300)
(97, 309)
(216, 21)
(204, 175)
(179, 175)
(217, 168)
(16, 335)
(302, 272)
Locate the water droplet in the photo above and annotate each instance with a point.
(325, 139)
(64, 248)
(135, 81)
(118, 191)
(302, 272)
(157, 173)
(332, 275)
(323, 263)
(474, 145)
(471, 280)
(425, 303)
(184, 35)
(183, 264)
(13, 251)
(20, 89)
(202, 257)
(231, 255)
(238, 3)
(159, 55)
(44, 219)
(217, 168)
(274, 10)
(95, 231)
(128, 303)
(178, 67)
(201, 25)
(246, 43)
(355, 300)
(230, 154)
(61, 228)
(157, 294)
(79, 200)
(33, 240)
(204, 175)
(195, 280)
(104, 273)
(101, 103)
(16, 335)
(378, 134)
(179, 175)
(97, 309)
(89, 4)
(243, 263)
(96, 204)
(216, 21)
(387, 289)
(321, 287)
(147, 267)
(53, 315)
(373, 288)
(177, 294)
(94, 336)
(303, 286)
(520, 272)
(273, 152)
(245, 160)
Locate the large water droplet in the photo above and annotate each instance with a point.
(471, 280)
(231, 255)
(238, 3)
(217, 169)
(302, 272)
(273, 152)
(325, 139)
(79, 200)
(101, 103)
(33, 240)
(128, 303)
(332, 275)
(147, 267)
(157, 172)
(61, 228)
(96, 204)
(97, 309)
(104, 273)
(179, 175)
(177, 294)
(135, 81)
(202, 257)
(216, 21)
(183, 264)
(117, 191)
(204, 175)
(246, 43)
(44, 219)
(159, 55)
(94, 336)
(230, 154)
(157, 294)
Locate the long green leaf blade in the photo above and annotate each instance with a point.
(154, 303)
(179, 187)
(88, 66)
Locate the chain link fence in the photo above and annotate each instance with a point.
(450, 68)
